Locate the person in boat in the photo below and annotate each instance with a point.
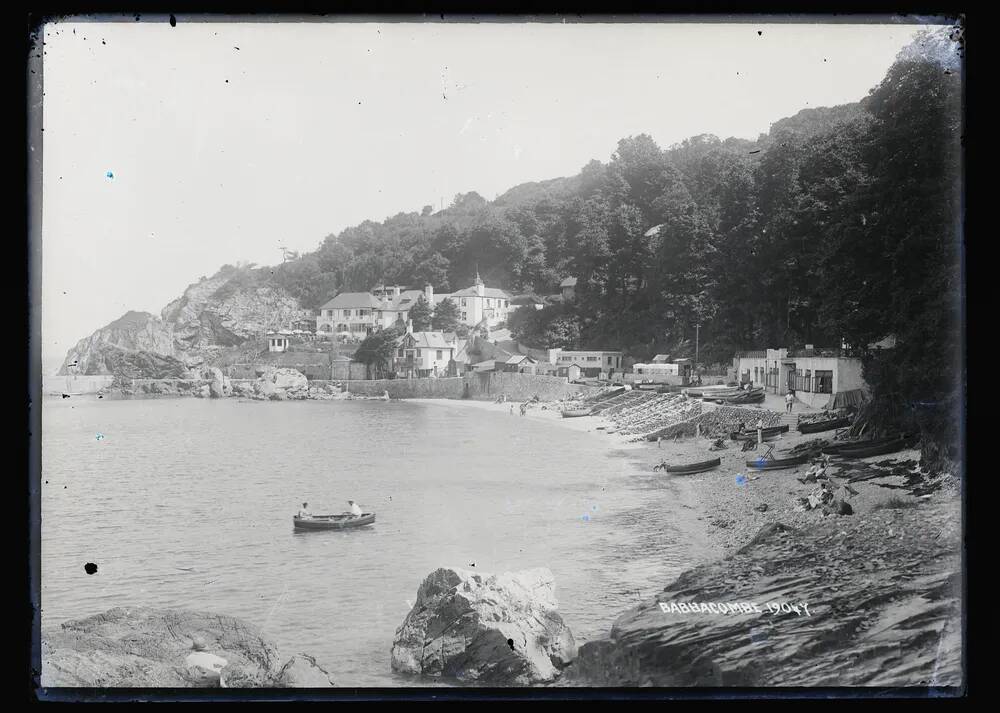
(304, 512)
(355, 508)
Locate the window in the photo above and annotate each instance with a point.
(347, 313)
(824, 382)
(610, 360)
(418, 353)
(439, 354)
(399, 353)
(591, 358)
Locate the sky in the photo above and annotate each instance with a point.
(171, 151)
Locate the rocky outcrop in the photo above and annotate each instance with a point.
(140, 647)
(214, 314)
(279, 384)
(882, 607)
(490, 629)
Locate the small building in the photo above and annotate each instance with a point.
(520, 364)
(816, 376)
(677, 373)
(595, 364)
(661, 359)
(277, 342)
(304, 326)
(573, 372)
(568, 288)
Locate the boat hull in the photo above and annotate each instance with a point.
(752, 435)
(820, 426)
(778, 463)
(577, 413)
(881, 449)
(333, 522)
(691, 468)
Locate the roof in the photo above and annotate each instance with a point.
(568, 282)
(518, 358)
(487, 292)
(354, 300)
(431, 340)
(403, 303)
(489, 363)
(660, 359)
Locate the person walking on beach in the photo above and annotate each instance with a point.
(524, 408)
(789, 399)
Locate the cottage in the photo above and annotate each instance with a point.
(677, 373)
(422, 354)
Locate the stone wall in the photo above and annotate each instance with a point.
(483, 385)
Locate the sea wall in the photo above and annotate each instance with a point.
(483, 385)
(76, 384)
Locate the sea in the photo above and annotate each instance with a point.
(188, 503)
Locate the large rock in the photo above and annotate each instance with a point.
(142, 647)
(882, 596)
(218, 386)
(278, 384)
(490, 629)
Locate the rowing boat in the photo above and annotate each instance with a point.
(750, 435)
(777, 463)
(827, 425)
(333, 522)
(840, 446)
(575, 412)
(878, 449)
(690, 468)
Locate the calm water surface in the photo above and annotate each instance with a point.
(188, 503)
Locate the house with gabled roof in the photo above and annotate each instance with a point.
(422, 354)
(477, 304)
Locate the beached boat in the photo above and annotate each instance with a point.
(777, 463)
(875, 449)
(839, 446)
(333, 522)
(769, 431)
(827, 425)
(690, 468)
(575, 412)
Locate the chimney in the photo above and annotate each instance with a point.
(429, 294)
(409, 326)
(395, 292)
(480, 288)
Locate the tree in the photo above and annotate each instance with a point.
(446, 317)
(421, 314)
(377, 351)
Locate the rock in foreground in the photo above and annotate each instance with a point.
(489, 629)
(142, 647)
(884, 609)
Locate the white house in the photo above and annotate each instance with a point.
(422, 354)
(815, 375)
(593, 363)
(358, 314)
(476, 304)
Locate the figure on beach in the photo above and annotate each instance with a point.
(524, 408)
(789, 400)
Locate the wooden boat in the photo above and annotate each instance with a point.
(575, 412)
(878, 449)
(835, 448)
(690, 468)
(333, 522)
(827, 425)
(769, 431)
(777, 463)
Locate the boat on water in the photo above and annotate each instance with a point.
(777, 463)
(871, 448)
(575, 412)
(827, 425)
(343, 521)
(689, 468)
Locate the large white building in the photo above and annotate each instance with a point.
(476, 304)
(358, 314)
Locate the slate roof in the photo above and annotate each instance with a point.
(354, 300)
(487, 292)
(568, 282)
(431, 340)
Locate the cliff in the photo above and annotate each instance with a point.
(214, 314)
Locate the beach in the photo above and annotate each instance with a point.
(881, 584)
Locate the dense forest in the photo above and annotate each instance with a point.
(840, 225)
